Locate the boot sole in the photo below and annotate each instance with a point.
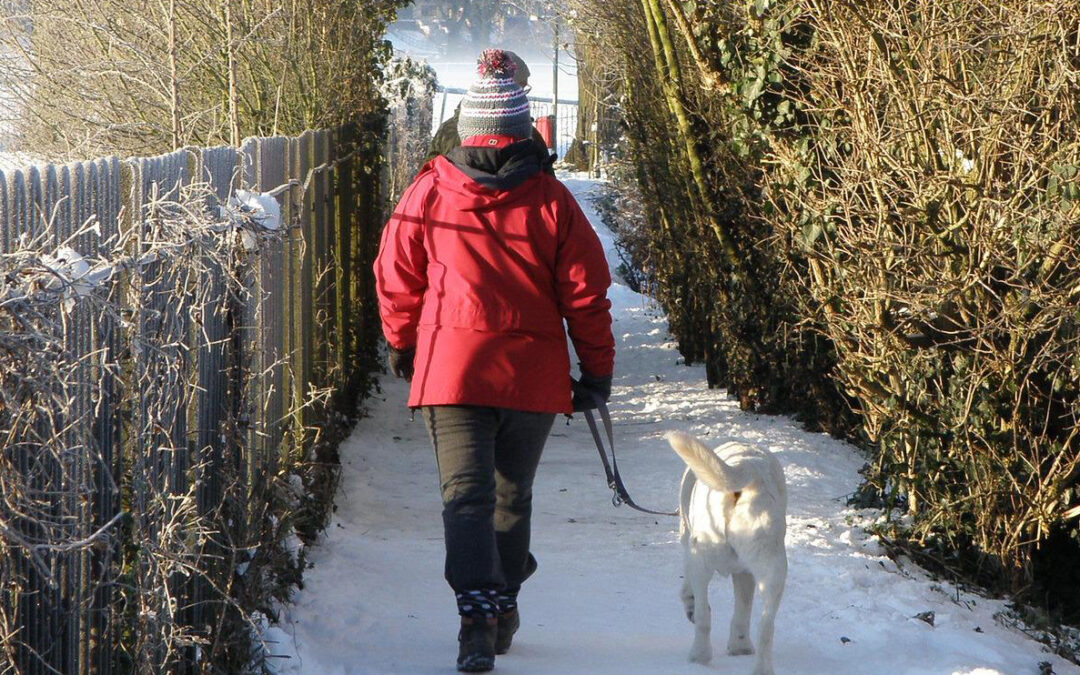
(480, 664)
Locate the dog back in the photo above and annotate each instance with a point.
(750, 520)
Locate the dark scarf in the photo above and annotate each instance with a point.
(502, 168)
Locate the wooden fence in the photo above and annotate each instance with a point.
(187, 409)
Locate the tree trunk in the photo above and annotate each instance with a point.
(174, 79)
(230, 52)
(668, 69)
(710, 77)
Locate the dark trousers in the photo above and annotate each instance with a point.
(487, 458)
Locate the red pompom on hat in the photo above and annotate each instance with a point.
(496, 63)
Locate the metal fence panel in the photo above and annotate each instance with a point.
(155, 406)
(265, 164)
(102, 202)
(65, 619)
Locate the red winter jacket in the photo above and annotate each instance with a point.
(480, 279)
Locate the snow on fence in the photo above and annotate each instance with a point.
(176, 333)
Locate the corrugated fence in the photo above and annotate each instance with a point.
(183, 409)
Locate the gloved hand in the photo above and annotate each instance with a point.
(401, 362)
(587, 389)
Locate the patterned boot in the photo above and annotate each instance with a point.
(479, 627)
(476, 644)
(508, 624)
(509, 620)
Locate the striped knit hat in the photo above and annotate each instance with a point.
(495, 103)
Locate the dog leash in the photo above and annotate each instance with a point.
(619, 494)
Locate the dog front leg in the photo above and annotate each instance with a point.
(739, 637)
(701, 651)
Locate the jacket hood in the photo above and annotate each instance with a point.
(486, 176)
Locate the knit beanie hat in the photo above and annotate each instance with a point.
(495, 104)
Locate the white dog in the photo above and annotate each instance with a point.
(732, 506)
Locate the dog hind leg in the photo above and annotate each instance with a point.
(687, 596)
(699, 576)
(686, 491)
(771, 587)
(739, 637)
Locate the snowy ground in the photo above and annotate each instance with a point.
(605, 598)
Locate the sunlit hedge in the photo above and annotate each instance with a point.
(878, 204)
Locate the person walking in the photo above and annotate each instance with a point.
(482, 261)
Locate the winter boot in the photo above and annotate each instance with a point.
(508, 624)
(476, 644)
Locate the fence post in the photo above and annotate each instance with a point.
(320, 287)
(303, 280)
(344, 216)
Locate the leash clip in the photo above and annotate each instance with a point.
(616, 498)
(619, 494)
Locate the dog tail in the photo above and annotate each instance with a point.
(706, 465)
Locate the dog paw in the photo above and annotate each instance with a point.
(740, 648)
(700, 654)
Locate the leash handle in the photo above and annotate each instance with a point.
(619, 495)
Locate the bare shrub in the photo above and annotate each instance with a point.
(409, 90)
(133, 78)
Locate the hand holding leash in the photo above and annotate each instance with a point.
(588, 390)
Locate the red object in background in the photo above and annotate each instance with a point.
(546, 126)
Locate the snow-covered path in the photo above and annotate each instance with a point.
(605, 598)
